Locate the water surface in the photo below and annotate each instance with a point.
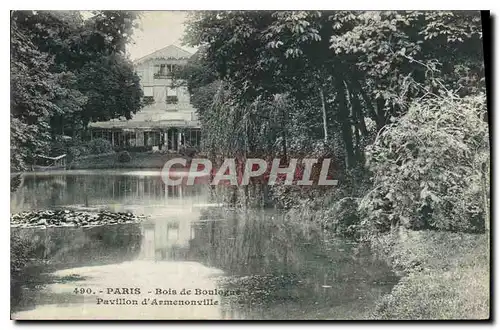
(265, 266)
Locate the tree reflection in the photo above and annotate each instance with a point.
(43, 251)
(277, 262)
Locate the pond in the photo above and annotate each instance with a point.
(191, 259)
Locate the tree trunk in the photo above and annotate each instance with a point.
(380, 112)
(346, 126)
(283, 129)
(371, 109)
(358, 113)
(323, 109)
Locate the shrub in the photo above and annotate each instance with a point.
(76, 152)
(59, 146)
(188, 151)
(100, 146)
(23, 258)
(124, 157)
(139, 149)
(73, 147)
(346, 211)
(428, 168)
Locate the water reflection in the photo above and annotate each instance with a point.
(115, 190)
(52, 249)
(283, 270)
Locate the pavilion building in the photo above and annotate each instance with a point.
(169, 121)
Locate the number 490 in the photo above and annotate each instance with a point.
(82, 291)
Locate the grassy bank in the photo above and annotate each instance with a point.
(446, 276)
(137, 160)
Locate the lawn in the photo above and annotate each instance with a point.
(138, 160)
(447, 276)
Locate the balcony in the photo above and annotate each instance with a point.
(172, 99)
(148, 100)
(162, 75)
(159, 75)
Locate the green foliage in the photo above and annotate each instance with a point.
(100, 146)
(447, 276)
(23, 264)
(428, 167)
(325, 83)
(339, 68)
(21, 252)
(113, 89)
(59, 145)
(342, 217)
(124, 157)
(75, 148)
(77, 151)
(65, 73)
(32, 96)
(201, 79)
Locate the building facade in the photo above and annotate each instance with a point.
(168, 122)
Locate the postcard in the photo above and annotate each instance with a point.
(250, 165)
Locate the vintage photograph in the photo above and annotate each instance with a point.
(250, 165)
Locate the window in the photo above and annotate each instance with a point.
(172, 96)
(152, 138)
(173, 68)
(172, 99)
(162, 72)
(193, 137)
(148, 95)
(171, 91)
(148, 91)
(149, 100)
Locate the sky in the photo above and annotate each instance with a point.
(158, 29)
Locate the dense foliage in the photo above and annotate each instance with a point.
(430, 167)
(337, 68)
(352, 86)
(124, 157)
(100, 146)
(67, 71)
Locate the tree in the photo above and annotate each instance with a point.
(65, 72)
(112, 87)
(33, 90)
(353, 65)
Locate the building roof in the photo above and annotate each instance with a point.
(169, 52)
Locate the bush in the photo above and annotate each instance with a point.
(428, 168)
(59, 146)
(100, 146)
(188, 151)
(21, 252)
(345, 216)
(24, 257)
(139, 149)
(73, 147)
(124, 157)
(76, 152)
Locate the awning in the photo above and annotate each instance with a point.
(145, 124)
